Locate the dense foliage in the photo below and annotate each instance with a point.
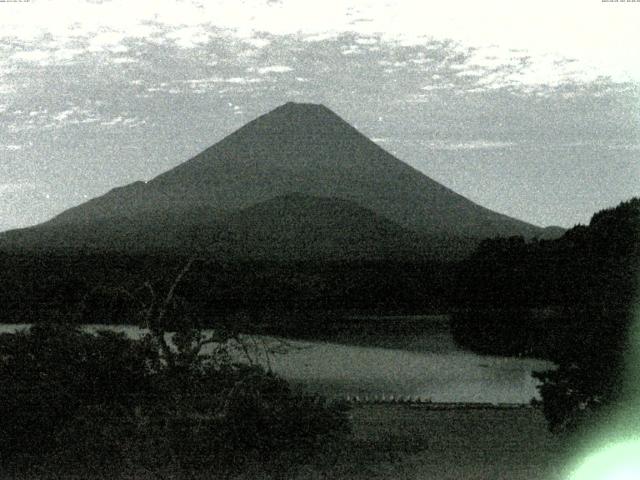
(105, 401)
(569, 300)
(47, 286)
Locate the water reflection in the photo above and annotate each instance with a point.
(438, 371)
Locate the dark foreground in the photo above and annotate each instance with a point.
(410, 442)
(482, 444)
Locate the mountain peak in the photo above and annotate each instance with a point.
(302, 106)
(300, 114)
(305, 148)
(306, 124)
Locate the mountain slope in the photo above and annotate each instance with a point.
(300, 148)
(302, 227)
(291, 227)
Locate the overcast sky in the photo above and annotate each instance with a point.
(529, 108)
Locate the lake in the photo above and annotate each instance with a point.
(429, 366)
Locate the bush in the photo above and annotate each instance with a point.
(51, 372)
(589, 378)
(107, 401)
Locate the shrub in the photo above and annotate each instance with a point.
(589, 378)
(52, 371)
(107, 401)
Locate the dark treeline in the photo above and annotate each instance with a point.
(570, 300)
(109, 288)
(525, 286)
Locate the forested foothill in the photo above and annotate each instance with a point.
(569, 300)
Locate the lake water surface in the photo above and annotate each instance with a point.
(430, 366)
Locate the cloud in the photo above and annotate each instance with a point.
(73, 116)
(124, 122)
(41, 118)
(440, 86)
(123, 60)
(274, 69)
(472, 145)
(189, 37)
(53, 55)
(120, 120)
(500, 33)
(632, 147)
(31, 56)
(367, 40)
(62, 116)
(241, 80)
(114, 121)
(16, 187)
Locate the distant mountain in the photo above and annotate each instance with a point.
(290, 227)
(352, 196)
(300, 227)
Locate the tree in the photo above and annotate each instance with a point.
(179, 398)
(568, 300)
(597, 323)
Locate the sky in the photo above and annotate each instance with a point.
(530, 108)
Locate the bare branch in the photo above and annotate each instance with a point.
(240, 342)
(169, 298)
(267, 355)
(155, 326)
(152, 302)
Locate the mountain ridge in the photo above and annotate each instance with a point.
(303, 148)
(292, 227)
